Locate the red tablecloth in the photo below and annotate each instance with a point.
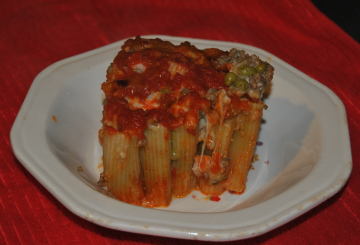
(34, 34)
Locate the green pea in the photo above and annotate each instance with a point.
(242, 84)
(230, 77)
(246, 71)
(261, 68)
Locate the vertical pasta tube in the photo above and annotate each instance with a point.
(215, 168)
(219, 167)
(203, 184)
(208, 189)
(157, 165)
(183, 151)
(224, 135)
(242, 148)
(122, 169)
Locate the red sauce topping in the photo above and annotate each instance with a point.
(155, 81)
(187, 107)
(236, 106)
(215, 163)
(118, 113)
(204, 163)
(160, 116)
(110, 130)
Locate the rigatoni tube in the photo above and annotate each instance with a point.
(156, 165)
(183, 151)
(122, 169)
(242, 148)
(209, 189)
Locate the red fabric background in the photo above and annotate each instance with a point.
(34, 34)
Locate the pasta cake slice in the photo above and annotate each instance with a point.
(177, 118)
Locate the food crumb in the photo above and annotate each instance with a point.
(267, 162)
(268, 59)
(54, 119)
(252, 167)
(80, 169)
(195, 198)
(255, 158)
(214, 198)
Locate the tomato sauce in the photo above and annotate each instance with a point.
(215, 198)
(205, 160)
(140, 88)
(118, 114)
(236, 106)
(215, 163)
(188, 107)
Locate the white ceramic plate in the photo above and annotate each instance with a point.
(305, 157)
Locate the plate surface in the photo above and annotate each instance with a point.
(303, 160)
